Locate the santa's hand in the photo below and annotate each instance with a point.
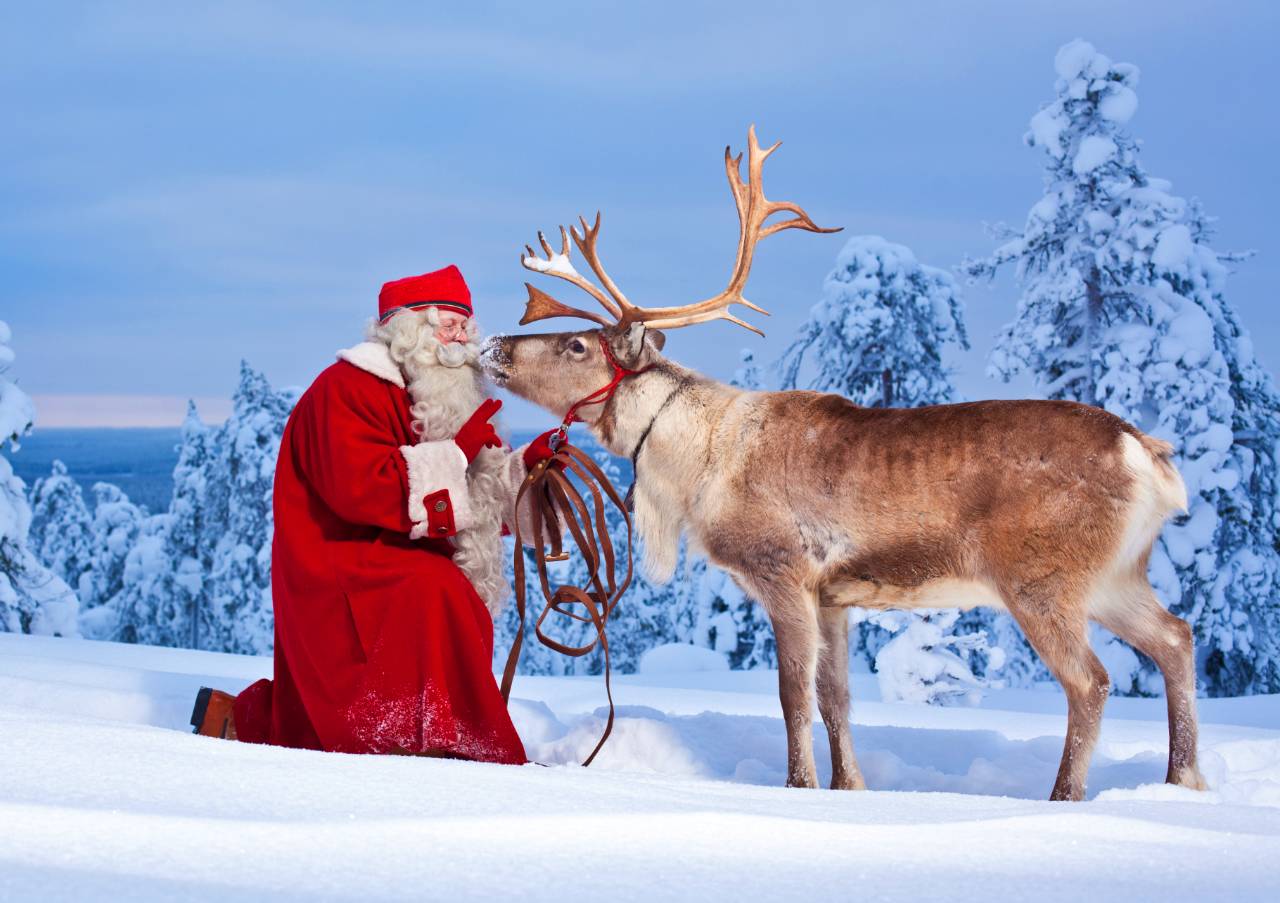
(478, 432)
(539, 450)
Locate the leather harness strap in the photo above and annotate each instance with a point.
(630, 498)
(599, 396)
(549, 492)
(553, 499)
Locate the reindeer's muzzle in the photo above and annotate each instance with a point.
(495, 357)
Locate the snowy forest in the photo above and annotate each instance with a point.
(1122, 303)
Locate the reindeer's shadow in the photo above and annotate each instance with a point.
(752, 749)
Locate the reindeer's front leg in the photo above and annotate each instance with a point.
(795, 628)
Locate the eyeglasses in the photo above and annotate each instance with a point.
(454, 329)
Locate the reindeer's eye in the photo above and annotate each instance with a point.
(577, 347)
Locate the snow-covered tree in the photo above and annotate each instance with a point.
(199, 575)
(878, 337)
(928, 661)
(188, 557)
(748, 376)
(727, 620)
(61, 526)
(238, 512)
(164, 600)
(116, 525)
(1123, 305)
(33, 599)
(148, 609)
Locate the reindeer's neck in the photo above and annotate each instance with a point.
(645, 406)
(674, 412)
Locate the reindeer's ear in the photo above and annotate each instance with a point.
(628, 345)
(658, 338)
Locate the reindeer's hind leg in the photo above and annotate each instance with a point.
(1135, 615)
(1052, 615)
(833, 697)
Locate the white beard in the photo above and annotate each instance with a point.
(446, 385)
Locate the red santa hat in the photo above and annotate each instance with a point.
(443, 288)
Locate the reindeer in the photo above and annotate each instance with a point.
(1045, 509)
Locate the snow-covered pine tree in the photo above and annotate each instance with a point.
(878, 337)
(116, 525)
(33, 599)
(240, 516)
(748, 375)
(727, 620)
(927, 660)
(1123, 306)
(189, 558)
(61, 526)
(161, 602)
(148, 610)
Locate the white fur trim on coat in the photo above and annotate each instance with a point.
(373, 357)
(514, 478)
(434, 466)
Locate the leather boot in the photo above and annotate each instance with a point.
(212, 715)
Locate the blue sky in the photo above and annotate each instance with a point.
(184, 185)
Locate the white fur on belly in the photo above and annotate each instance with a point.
(945, 592)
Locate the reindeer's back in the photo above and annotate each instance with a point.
(829, 429)
(938, 485)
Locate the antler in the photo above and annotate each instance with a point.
(753, 210)
(540, 305)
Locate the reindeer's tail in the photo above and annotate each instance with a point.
(1168, 482)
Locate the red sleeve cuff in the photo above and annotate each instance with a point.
(439, 514)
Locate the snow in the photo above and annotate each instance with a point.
(1047, 127)
(16, 408)
(1190, 336)
(1174, 248)
(1073, 58)
(924, 662)
(558, 265)
(1119, 105)
(32, 598)
(103, 794)
(682, 657)
(1094, 150)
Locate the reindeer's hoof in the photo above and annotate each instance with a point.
(849, 783)
(1066, 793)
(1188, 777)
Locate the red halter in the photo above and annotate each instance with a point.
(599, 396)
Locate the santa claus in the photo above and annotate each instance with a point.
(392, 492)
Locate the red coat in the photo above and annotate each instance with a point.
(381, 643)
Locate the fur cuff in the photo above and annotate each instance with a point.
(434, 466)
(524, 516)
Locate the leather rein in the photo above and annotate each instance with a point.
(553, 498)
